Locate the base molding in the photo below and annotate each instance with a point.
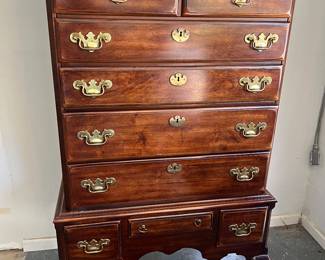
(285, 220)
(313, 231)
(40, 244)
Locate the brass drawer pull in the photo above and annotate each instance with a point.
(241, 3)
(90, 43)
(251, 130)
(174, 168)
(119, 1)
(143, 229)
(94, 246)
(99, 185)
(96, 138)
(261, 42)
(243, 230)
(178, 79)
(198, 222)
(245, 174)
(177, 121)
(93, 88)
(255, 84)
(180, 35)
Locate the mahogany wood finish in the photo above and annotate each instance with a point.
(87, 232)
(137, 87)
(238, 216)
(131, 7)
(164, 225)
(148, 134)
(168, 236)
(130, 37)
(201, 177)
(226, 8)
(167, 184)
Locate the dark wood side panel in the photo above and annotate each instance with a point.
(227, 8)
(149, 134)
(200, 178)
(136, 87)
(138, 7)
(151, 41)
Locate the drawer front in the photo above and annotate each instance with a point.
(170, 224)
(88, 88)
(148, 134)
(242, 226)
(238, 8)
(157, 42)
(167, 180)
(93, 241)
(119, 7)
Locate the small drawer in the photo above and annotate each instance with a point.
(112, 41)
(93, 241)
(238, 8)
(102, 136)
(111, 87)
(242, 226)
(166, 225)
(119, 7)
(166, 180)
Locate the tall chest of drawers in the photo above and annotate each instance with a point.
(166, 113)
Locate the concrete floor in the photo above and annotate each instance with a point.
(286, 243)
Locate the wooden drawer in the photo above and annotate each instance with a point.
(152, 42)
(149, 134)
(242, 226)
(139, 7)
(170, 224)
(229, 8)
(165, 86)
(93, 241)
(166, 180)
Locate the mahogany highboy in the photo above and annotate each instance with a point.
(166, 112)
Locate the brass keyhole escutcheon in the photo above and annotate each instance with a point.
(174, 168)
(178, 79)
(177, 121)
(198, 222)
(180, 35)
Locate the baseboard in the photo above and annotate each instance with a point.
(313, 231)
(40, 244)
(10, 246)
(285, 220)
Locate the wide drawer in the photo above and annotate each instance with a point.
(238, 8)
(158, 42)
(147, 134)
(93, 241)
(163, 225)
(242, 226)
(166, 180)
(119, 7)
(111, 87)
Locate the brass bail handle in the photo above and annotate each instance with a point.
(90, 42)
(99, 185)
(97, 138)
(243, 230)
(244, 174)
(241, 3)
(119, 1)
(94, 246)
